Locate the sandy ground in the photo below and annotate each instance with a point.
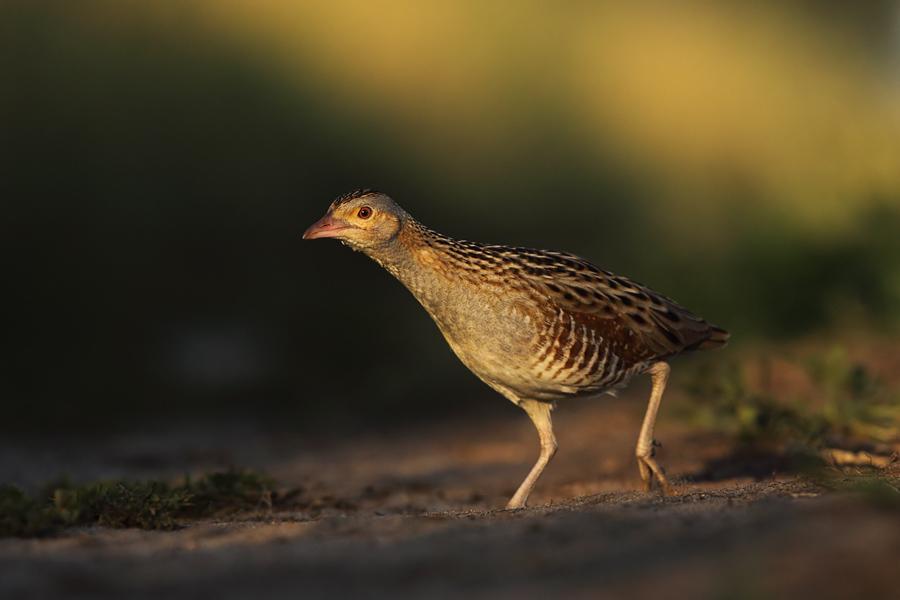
(414, 511)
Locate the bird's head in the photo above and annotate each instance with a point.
(363, 219)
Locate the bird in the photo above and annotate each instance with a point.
(537, 326)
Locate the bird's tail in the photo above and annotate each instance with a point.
(717, 339)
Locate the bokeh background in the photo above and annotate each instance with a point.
(159, 162)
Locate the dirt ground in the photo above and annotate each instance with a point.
(415, 512)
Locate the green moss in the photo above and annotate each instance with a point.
(229, 491)
(156, 505)
(24, 516)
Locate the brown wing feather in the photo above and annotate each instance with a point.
(638, 323)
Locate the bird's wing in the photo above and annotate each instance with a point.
(639, 323)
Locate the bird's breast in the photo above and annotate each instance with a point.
(515, 340)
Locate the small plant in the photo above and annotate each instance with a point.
(878, 487)
(845, 401)
(723, 400)
(854, 402)
(156, 505)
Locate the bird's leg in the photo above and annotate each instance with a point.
(659, 373)
(540, 414)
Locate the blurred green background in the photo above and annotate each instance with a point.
(159, 162)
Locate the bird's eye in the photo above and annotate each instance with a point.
(364, 213)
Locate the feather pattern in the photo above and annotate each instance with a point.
(597, 330)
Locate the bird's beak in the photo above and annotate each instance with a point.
(326, 227)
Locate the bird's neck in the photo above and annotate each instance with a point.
(418, 259)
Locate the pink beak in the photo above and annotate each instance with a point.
(325, 227)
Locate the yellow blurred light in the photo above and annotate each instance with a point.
(703, 97)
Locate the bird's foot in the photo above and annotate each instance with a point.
(651, 470)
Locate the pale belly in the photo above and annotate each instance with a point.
(501, 352)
